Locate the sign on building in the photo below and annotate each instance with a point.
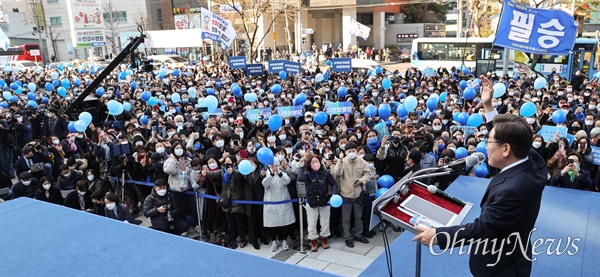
(86, 23)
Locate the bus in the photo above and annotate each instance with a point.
(449, 52)
(26, 52)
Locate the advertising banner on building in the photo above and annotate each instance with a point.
(86, 22)
(216, 28)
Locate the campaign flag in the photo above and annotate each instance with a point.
(538, 31)
(237, 62)
(548, 132)
(290, 111)
(359, 30)
(258, 114)
(339, 108)
(4, 40)
(292, 68)
(254, 69)
(216, 28)
(341, 64)
(275, 66)
(596, 151)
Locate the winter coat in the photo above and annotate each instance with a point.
(178, 178)
(234, 190)
(153, 201)
(349, 171)
(317, 186)
(276, 190)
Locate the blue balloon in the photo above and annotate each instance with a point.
(82, 71)
(559, 116)
(127, 106)
(14, 99)
(455, 116)
(60, 67)
(301, 98)
(100, 91)
(276, 89)
(481, 170)
(55, 83)
(38, 71)
(71, 127)
(385, 110)
(411, 103)
(2, 83)
(401, 110)
(32, 104)
(461, 152)
(463, 118)
(245, 167)
(481, 148)
(462, 84)
(282, 74)
(133, 85)
(385, 181)
(62, 91)
(211, 103)
(499, 90)
(474, 120)
(378, 70)
(49, 87)
(319, 78)
(4, 104)
(14, 86)
(380, 192)
(54, 75)
(45, 100)
(77, 82)
(328, 62)
(31, 87)
(176, 72)
(65, 83)
(539, 83)
(432, 104)
(6, 95)
(335, 201)
(146, 96)
(251, 97)
(144, 119)
(237, 91)
(175, 98)
(210, 91)
(466, 70)
(321, 118)
(193, 92)
(370, 111)
(275, 122)
(85, 117)
(162, 72)
(469, 94)
(19, 91)
(342, 92)
(31, 96)
(265, 156)
(386, 83)
(80, 126)
(528, 109)
(113, 106)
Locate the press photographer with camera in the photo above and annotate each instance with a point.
(161, 209)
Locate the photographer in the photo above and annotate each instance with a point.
(572, 176)
(6, 146)
(160, 208)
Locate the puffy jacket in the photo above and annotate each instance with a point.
(349, 171)
(153, 201)
(234, 190)
(178, 178)
(317, 185)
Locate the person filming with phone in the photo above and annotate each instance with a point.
(572, 176)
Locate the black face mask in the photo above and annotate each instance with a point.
(575, 128)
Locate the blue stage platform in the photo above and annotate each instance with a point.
(564, 213)
(41, 239)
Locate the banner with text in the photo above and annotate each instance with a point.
(86, 23)
(217, 113)
(548, 132)
(290, 111)
(596, 151)
(216, 28)
(237, 62)
(339, 108)
(254, 69)
(258, 114)
(275, 66)
(341, 64)
(292, 68)
(539, 31)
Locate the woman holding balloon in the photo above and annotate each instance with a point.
(319, 184)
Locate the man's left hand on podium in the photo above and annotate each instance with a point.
(426, 237)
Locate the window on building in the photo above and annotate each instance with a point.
(56, 21)
(118, 16)
(52, 1)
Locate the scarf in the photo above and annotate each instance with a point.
(572, 176)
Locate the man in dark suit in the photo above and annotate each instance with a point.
(510, 205)
(30, 158)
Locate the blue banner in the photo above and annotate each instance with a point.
(538, 31)
(256, 114)
(275, 66)
(217, 112)
(254, 69)
(292, 68)
(341, 64)
(596, 151)
(290, 111)
(548, 132)
(218, 83)
(237, 62)
(339, 108)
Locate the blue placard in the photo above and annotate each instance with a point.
(292, 68)
(339, 108)
(237, 62)
(254, 114)
(596, 151)
(539, 31)
(570, 138)
(290, 111)
(341, 64)
(254, 69)
(218, 83)
(548, 132)
(217, 112)
(275, 66)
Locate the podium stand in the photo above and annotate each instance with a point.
(409, 197)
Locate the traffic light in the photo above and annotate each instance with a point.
(303, 40)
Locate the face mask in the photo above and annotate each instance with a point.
(280, 157)
(592, 107)
(570, 99)
(49, 115)
(197, 146)
(536, 144)
(171, 134)
(138, 143)
(282, 137)
(586, 94)
(212, 166)
(160, 150)
(67, 175)
(55, 142)
(375, 94)
(452, 148)
(539, 93)
(561, 93)
(352, 156)
(333, 139)
(82, 193)
(90, 177)
(445, 121)
(179, 124)
(589, 122)
(271, 139)
(241, 134)
(437, 128)
(315, 166)
(220, 143)
(511, 93)
(575, 128)
(459, 138)
(361, 156)
(569, 89)
(495, 104)
(301, 152)
(178, 152)
(161, 192)
(308, 119)
(359, 136)
(46, 186)
(530, 120)
(111, 206)
(26, 183)
(342, 146)
(484, 132)
(441, 147)
(289, 150)
(372, 141)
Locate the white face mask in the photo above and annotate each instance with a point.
(139, 143)
(530, 120)
(280, 157)
(561, 93)
(241, 134)
(289, 150)
(352, 156)
(358, 136)
(271, 139)
(55, 142)
(67, 175)
(342, 146)
(160, 150)
(333, 139)
(220, 143)
(589, 122)
(82, 193)
(592, 107)
(46, 186)
(111, 206)
(282, 137)
(212, 165)
(437, 128)
(484, 132)
(90, 177)
(445, 121)
(361, 156)
(178, 152)
(26, 183)
(161, 192)
(171, 134)
(536, 144)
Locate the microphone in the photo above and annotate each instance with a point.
(470, 161)
(434, 190)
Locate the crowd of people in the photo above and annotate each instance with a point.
(176, 147)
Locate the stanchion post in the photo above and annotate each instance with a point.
(198, 212)
(300, 200)
(123, 187)
(418, 261)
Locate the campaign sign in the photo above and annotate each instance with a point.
(339, 108)
(218, 83)
(254, 69)
(290, 111)
(341, 64)
(570, 138)
(596, 151)
(548, 132)
(237, 62)
(275, 66)
(292, 68)
(257, 114)
(217, 112)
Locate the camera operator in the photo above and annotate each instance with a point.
(22, 125)
(6, 145)
(160, 208)
(122, 163)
